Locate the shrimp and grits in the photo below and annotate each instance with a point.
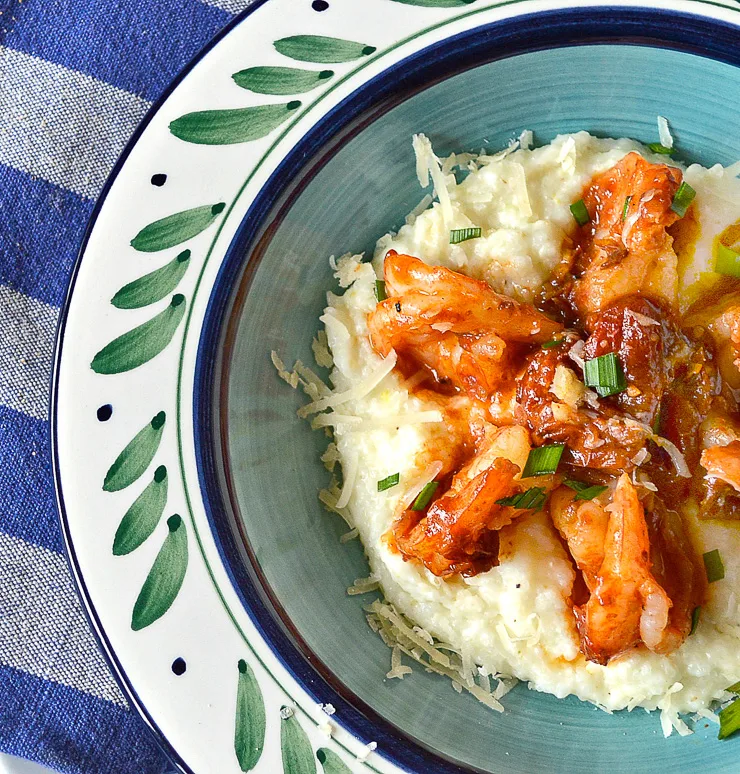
(535, 406)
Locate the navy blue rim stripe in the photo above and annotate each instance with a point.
(106, 647)
(638, 31)
(495, 41)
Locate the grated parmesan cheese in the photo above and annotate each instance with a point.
(664, 133)
(426, 159)
(358, 391)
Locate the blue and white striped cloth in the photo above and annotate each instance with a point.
(76, 77)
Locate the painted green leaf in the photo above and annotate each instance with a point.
(177, 228)
(280, 80)
(165, 578)
(436, 3)
(141, 344)
(296, 748)
(249, 733)
(316, 48)
(154, 286)
(331, 762)
(135, 458)
(226, 127)
(142, 517)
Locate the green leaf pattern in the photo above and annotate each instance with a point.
(165, 578)
(280, 80)
(140, 345)
(227, 127)
(154, 286)
(331, 762)
(320, 49)
(249, 732)
(136, 456)
(294, 745)
(141, 519)
(176, 229)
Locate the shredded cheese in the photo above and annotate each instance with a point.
(350, 475)
(425, 156)
(664, 133)
(358, 391)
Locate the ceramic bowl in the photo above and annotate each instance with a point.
(264, 589)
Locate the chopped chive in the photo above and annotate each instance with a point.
(626, 206)
(388, 482)
(458, 235)
(713, 565)
(583, 490)
(531, 500)
(729, 720)
(425, 496)
(543, 460)
(580, 213)
(728, 262)
(605, 374)
(552, 343)
(695, 613)
(683, 198)
(380, 293)
(657, 147)
(734, 688)
(657, 422)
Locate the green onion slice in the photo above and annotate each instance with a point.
(425, 496)
(605, 374)
(683, 198)
(583, 490)
(734, 688)
(626, 206)
(713, 565)
(580, 213)
(729, 720)
(531, 500)
(388, 482)
(657, 147)
(543, 460)
(552, 343)
(695, 614)
(728, 262)
(380, 293)
(458, 235)
(657, 422)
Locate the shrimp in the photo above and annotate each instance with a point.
(458, 533)
(582, 524)
(722, 320)
(630, 255)
(611, 546)
(601, 439)
(721, 460)
(723, 463)
(453, 326)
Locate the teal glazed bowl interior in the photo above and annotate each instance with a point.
(608, 71)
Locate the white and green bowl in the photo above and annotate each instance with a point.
(187, 485)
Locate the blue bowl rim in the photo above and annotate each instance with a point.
(203, 384)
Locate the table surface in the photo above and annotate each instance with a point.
(11, 765)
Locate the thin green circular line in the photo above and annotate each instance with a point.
(288, 127)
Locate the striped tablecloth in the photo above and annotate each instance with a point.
(76, 77)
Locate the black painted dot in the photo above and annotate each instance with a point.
(179, 666)
(105, 412)
(319, 5)
(159, 179)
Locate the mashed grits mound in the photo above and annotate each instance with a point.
(516, 614)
